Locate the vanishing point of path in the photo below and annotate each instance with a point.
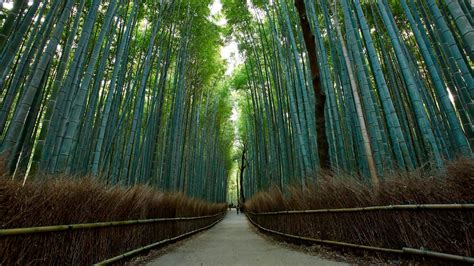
(233, 242)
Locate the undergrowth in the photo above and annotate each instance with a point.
(449, 231)
(68, 201)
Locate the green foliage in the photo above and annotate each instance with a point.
(138, 98)
(133, 92)
(393, 72)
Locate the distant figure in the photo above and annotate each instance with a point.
(238, 208)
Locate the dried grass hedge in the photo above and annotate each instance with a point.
(85, 201)
(449, 231)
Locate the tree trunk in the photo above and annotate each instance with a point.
(320, 96)
(241, 176)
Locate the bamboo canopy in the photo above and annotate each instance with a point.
(135, 92)
(127, 91)
(396, 76)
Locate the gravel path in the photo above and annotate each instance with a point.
(233, 242)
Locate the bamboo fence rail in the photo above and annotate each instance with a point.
(325, 241)
(404, 250)
(376, 208)
(71, 227)
(148, 247)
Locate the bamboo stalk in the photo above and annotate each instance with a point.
(71, 227)
(377, 208)
(141, 249)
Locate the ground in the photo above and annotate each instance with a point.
(234, 242)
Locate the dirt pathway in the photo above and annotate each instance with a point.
(233, 242)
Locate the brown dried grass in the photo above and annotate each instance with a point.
(443, 231)
(68, 201)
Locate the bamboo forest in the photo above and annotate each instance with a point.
(177, 114)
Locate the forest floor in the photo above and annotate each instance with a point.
(233, 242)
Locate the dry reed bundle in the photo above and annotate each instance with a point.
(449, 231)
(84, 201)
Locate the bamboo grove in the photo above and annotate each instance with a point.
(397, 79)
(127, 91)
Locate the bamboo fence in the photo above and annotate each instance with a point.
(71, 227)
(154, 245)
(375, 208)
(402, 251)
